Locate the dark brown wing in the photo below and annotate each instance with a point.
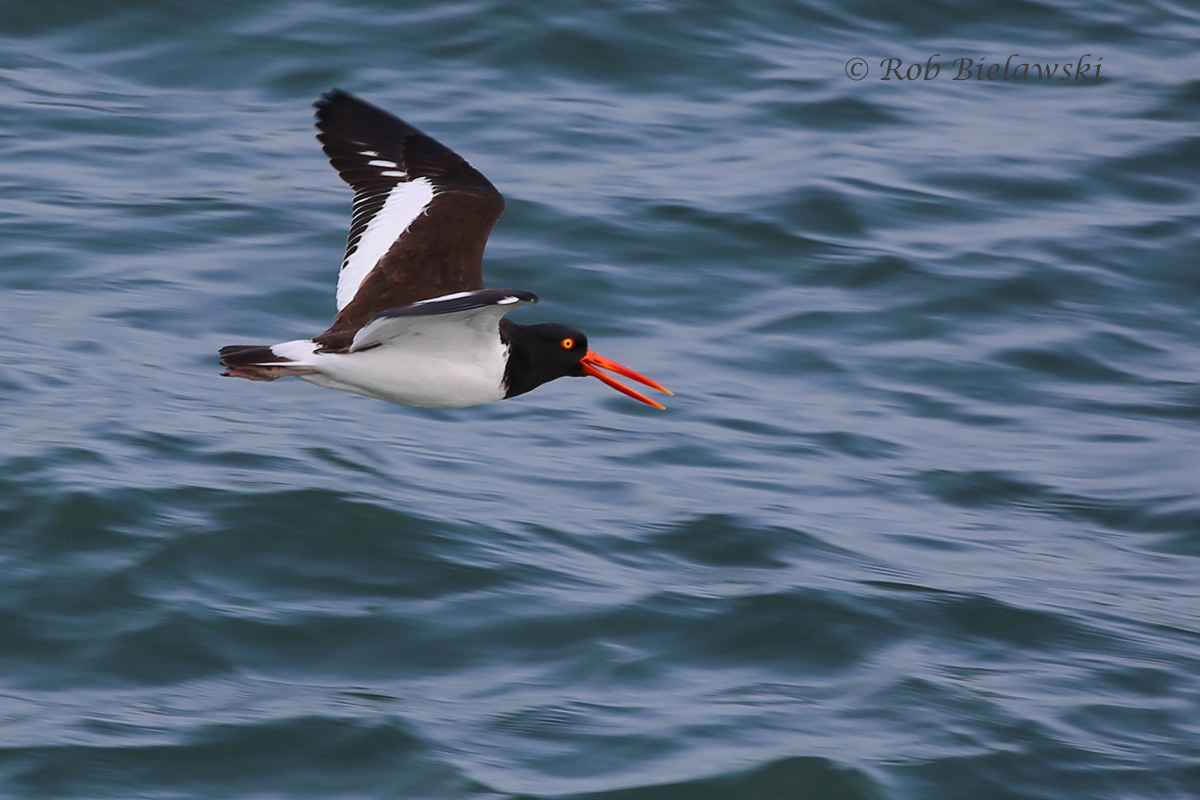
(421, 217)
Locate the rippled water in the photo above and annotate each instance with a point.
(921, 522)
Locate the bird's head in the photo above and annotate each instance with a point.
(541, 353)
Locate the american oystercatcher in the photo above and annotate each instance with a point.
(414, 324)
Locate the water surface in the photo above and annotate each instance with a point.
(921, 520)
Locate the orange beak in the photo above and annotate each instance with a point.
(593, 362)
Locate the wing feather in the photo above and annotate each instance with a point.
(443, 321)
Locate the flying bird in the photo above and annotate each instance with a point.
(414, 324)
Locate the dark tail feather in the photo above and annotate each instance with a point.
(247, 361)
(240, 355)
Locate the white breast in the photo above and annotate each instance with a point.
(407, 376)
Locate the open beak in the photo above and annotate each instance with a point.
(593, 362)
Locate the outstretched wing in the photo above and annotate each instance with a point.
(421, 216)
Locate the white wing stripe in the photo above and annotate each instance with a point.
(405, 202)
(451, 296)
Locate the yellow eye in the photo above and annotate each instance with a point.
(567, 343)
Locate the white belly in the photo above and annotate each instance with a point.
(400, 375)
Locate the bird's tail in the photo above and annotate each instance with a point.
(258, 363)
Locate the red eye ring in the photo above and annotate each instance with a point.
(567, 343)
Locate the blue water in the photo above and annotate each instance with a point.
(921, 521)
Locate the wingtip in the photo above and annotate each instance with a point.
(328, 99)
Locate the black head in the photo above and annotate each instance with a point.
(540, 353)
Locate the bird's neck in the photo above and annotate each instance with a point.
(522, 373)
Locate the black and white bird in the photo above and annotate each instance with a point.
(414, 324)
